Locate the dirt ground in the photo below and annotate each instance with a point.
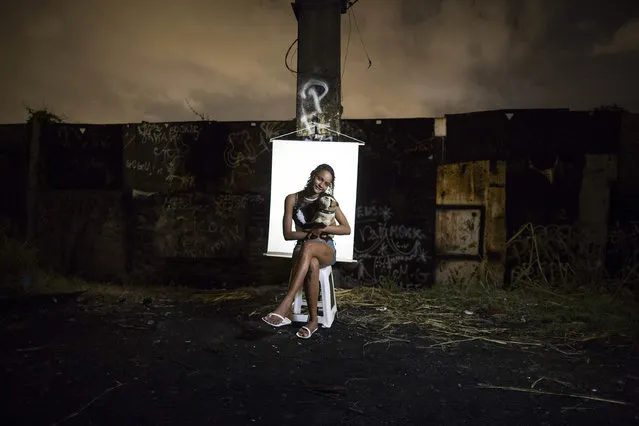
(82, 360)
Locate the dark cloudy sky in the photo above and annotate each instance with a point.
(106, 61)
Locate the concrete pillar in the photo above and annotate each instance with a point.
(628, 172)
(495, 236)
(594, 199)
(33, 187)
(319, 56)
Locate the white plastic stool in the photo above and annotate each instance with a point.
(326, 306)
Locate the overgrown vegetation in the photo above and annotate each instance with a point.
(18, 263)
(21, 275)
(568, 259)
(44, 115)
(610, 107)
(19, 272)
(560, 293)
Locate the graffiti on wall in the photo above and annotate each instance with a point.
(310, 104)
(158, 152)
(394, 222)
(176, 219)
(425, 144)
(247, 149)
(389, 251)
(243, 149)
(202, 226)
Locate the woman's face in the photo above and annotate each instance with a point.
(323, 179)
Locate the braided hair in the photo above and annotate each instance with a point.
(321, 167)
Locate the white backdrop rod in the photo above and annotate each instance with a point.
(323, 127)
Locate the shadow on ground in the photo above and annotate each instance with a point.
(82, 360)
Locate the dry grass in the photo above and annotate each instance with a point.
(446, 316)
(567, 258)
(533, 312)
(560, 295)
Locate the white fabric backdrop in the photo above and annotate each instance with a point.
(292, 164)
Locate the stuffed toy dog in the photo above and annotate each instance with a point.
(326, 206)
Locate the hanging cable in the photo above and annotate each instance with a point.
(361, 39)
(286, 57)
(348, 43)
(294, 54)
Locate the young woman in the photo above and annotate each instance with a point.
(315, 248)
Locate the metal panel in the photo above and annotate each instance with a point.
(459, 231)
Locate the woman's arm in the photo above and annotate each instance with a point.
(343, 228)
(287, 221)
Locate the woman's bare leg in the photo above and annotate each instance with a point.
(295, 264)
(311, 249)
(311, 289)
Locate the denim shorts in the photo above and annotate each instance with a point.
(298, 246)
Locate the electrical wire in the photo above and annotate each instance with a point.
(351, 17)
(294, 54)
(286, 57)
(361, 39)
(348, 43)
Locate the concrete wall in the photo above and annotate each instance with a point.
(13, 176)
(188, 202)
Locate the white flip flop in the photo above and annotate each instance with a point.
(285, 321)
(310, 333)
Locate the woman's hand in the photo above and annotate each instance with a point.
(316, 231)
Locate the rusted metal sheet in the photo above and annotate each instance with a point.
(459, 230)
